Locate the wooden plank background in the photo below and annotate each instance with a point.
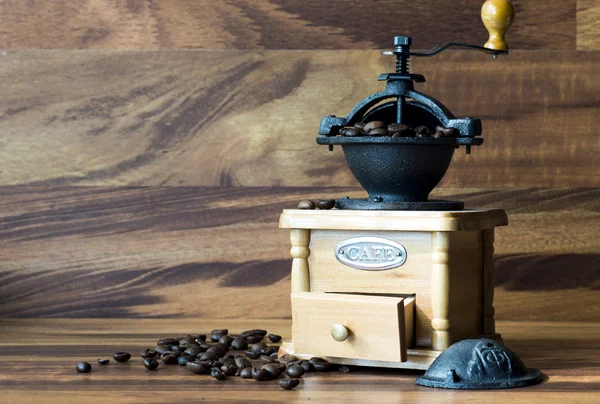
(147, 148)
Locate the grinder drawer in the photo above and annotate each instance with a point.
(352, 326)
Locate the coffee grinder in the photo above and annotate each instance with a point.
(394, 280)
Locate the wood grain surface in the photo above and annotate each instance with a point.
(39, 358)
(217, 252)
(273, 24)
(250, 118)
(588, 33)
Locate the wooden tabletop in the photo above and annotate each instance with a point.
(39, 358)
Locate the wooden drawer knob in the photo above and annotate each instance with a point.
(339, 332)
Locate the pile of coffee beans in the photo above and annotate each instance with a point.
(323, 204)
(380, 129)
(222, 355)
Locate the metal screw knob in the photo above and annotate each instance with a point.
(339, 332)
(402, 41)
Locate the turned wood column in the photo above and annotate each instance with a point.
(440, 291)
(300, 239)
(489, 324)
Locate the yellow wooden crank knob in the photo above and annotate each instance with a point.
(498, 17)
(339, 332)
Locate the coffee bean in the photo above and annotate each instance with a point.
(326, 204)
(178, 348)
(187, 341)
(242, 363)
(252, 339)
(208, 356)
(266, 359)
(218, 374)
(246, 373)
(360, 126)
(272, 368)
(295, 371)
(183, 359)
(218, 350)
(200, 338)
(194, 351)
(396, 127)
(308, 205)
(226, 340)
(150, 363)
(344, 130)
(307, 367)
(423, 131)
(122, 356)
(248, 333)
(316, 359)
(322, 366)
(239, 343)
(216, 334)
(252, 354)
(229, 369)
(169, 358)
(197, 367)
(259, 346)
(204, 346)
(345, 369)
(274, 355)
(269, 350)
(83, 367)
(103, 361)
(287, 359)
(260, 374)
(351, 132)
(275, 337)
(167, 341)
(289, 384)
(378, 132)
(161, 349)
(373, 125)
(148, 353)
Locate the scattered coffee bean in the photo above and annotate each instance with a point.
(122, 356)
(239, 343)
(208, 356)
(252, 354)
(198, 368)
(423, 131)
(216, 334)
(307, 367)
(226, 340)
(351, 132)
(345, 369)
(316, 359)
(373, 125)
(161, 349)
(274, 355)
(252, 339)
(150, 363)
(246, 373)
(309, 205)
(272, 368)
(193, 351)
(218, 374)
(229, 369)
(200, 338)
(269, 350)
(178, 348)
(218, 350)
(260, 374)
(83, 367)
(326, 204)
(169, 358)
(396, 127)
(148, 353)
(378, 132)
(360, 126)
(242, 363)
(322, 366)
(183, 359)
(103, 361)
(259, 346)
(287, 359)
(295, 371)
(187, 341)
(289, 384)
(266, 359)
(275, 337)
(167, 341)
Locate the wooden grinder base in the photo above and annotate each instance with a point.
(401, 317)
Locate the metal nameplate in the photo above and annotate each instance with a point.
(370, 253)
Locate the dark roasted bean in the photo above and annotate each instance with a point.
(345, 369)
(308, 205)
(83, 367)
(378, 132)
(351, 132)
(200, 338)
(273, 369)
(275, 337)
(194, 351)
(316, 359)
(423, 131)
(445, 132)
(295, 371)
(204, 346)
(178, 348)
(197, 367)
(287, 358)
(307, 366)
(208, 356)
(252, 354)
(183, 359)
(216, 334)
(187, 341)
(218, 350)
(167, 341)
(322, 366)
(289, 384)
(259, 346)
(396, 127)
(260, 374)
(122, 356)
(226, 340)
(260, 332)
(161, 349)
(218, 374)
(103, 361)
(239, 343)
(274, 355)
(326, 204)
(229, 369)
(253, 339)
(242, 363)
(246, 373)
(169, 358)
(359, 126)
(373, 125)
(266, 359)
(150, 363)
(148, 353)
